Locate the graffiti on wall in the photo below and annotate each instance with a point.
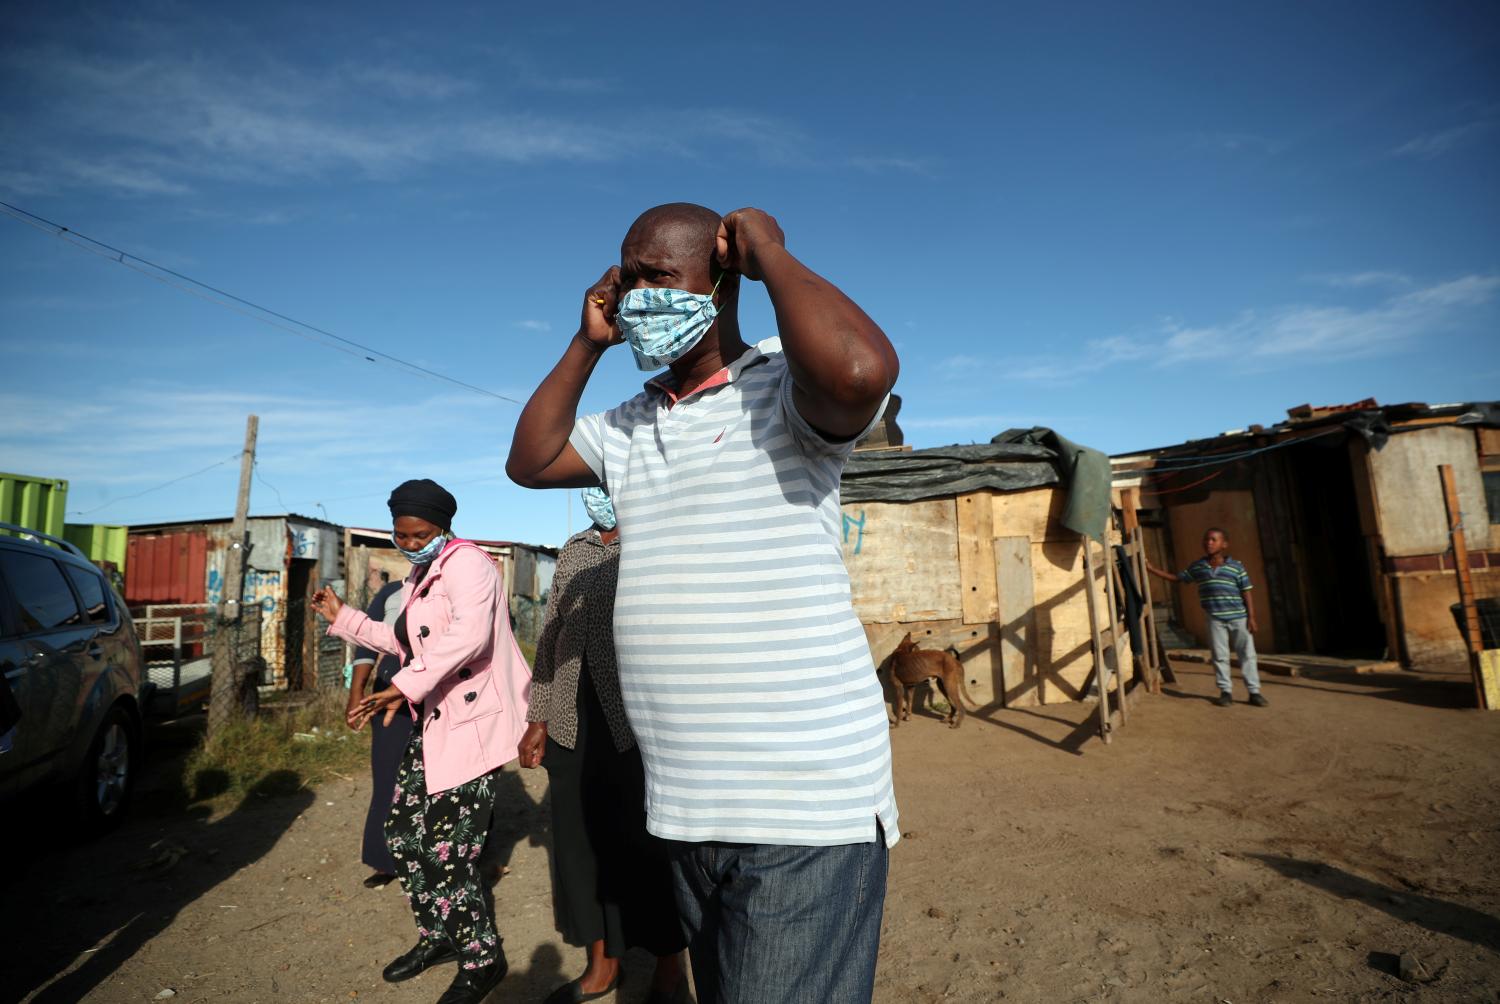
(858, 525)
(304, 541)
(262, 588)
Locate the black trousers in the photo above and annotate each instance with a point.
(611, 880)
(436, 840)
(387, 747)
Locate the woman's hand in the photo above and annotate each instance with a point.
(326, 602)
(388, 700)
(351, 711)
(533, 744)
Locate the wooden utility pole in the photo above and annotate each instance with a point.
(226, 677)
(1465, 582)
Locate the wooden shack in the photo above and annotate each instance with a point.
(526, 570)
(1340, 517)
(985, 566)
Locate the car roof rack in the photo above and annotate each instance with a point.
(37, 535)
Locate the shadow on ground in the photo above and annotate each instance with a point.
(1437, 915)
(79, 910)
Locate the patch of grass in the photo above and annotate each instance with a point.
(297, 741)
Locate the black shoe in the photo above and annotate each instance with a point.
(423, 956)
(572, 993)
(1226, 699)
(1259, 701)
(471, 986)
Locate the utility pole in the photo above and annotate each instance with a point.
(225, 685)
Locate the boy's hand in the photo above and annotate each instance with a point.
(1251, 626)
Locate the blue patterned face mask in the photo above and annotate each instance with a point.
(600, 509)
(433, 548)
(662, 325)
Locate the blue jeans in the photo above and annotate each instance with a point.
(779, 924)
(1223, 634)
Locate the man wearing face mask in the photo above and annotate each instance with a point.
(745, 674)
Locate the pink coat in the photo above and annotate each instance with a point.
(465, 669)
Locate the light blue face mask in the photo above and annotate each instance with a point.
(600, 509)
(663, 325)
(433, 548)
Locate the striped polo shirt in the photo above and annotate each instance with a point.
(1219, 588)
(746, 675)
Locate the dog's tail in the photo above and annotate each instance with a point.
(963, 685)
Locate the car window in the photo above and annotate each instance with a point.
(91, 591)
(43, 599)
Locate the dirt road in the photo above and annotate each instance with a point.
(1210, 854)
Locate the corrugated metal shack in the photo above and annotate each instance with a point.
(526, 570)
(983, 563)
(1339, 516)
(289, 557)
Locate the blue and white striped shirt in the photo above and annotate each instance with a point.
(746, 675)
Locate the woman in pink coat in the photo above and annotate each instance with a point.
(465, 683)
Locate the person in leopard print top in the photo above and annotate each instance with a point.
(611, 882)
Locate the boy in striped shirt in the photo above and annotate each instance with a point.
(1224, 592)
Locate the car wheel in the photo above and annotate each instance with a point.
(107, 777)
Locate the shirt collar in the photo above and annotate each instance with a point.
(664, 383)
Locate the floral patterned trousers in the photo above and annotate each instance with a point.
(436, 840)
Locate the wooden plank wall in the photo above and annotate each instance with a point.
(992, 574)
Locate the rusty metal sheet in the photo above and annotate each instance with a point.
(166, 568)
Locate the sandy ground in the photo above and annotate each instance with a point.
(1208, 854)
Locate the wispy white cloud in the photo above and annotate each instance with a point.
(1236, 143)
(409, 84)
(166, 124)
(534, 325)
(1329, 333)
(876, 164)
(113, 440)
(1262, 339)
(1358, 280)
(1430, 146)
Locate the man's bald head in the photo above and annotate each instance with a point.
(690, 228)
(674, 245)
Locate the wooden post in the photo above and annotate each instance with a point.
(224, 685)
(1088, 582)
(1116, 622)
(1135, 541)
(1465, 583)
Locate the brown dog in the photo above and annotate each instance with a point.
(908, 666)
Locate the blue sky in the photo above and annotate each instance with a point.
(1136, 223)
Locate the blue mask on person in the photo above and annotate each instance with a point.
(663, 325)
(426, 554)
(600, 509)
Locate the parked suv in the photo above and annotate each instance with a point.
(69, 655)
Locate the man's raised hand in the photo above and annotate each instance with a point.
(743, 234)
(599, 306)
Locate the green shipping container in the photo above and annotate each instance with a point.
(100, 542)
(32, 502)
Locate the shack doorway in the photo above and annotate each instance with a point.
(1343, 618)
(301, 672)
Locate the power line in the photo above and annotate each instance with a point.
(165, 484)
(261, 478)
(1214, 460)
(238, 304)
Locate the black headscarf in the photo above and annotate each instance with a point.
(424, 499)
